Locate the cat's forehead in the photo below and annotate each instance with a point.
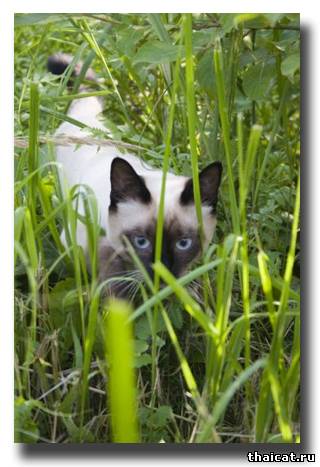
(174, 187)
(133, 215)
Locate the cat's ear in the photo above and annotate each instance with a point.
(126, 184)
(209, 180)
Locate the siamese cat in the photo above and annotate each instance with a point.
(128, 192)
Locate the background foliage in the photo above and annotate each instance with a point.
(223, 367)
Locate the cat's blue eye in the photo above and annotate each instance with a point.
(184, 243)
(141, 242)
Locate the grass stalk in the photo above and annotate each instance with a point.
(88, 346)
(225, 274)
(191, 110)
(165, 168)
(245, 173)
(225, 125)
(122, 394)
(33, 158)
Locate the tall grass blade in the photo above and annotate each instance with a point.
(165, 168)
(191, 110)
(33, 157)
(191, 306)
(88, 346)
(225, 125)
(122, 394)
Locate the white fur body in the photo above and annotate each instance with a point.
(90, 165)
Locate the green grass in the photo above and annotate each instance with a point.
(217, 365)
(121, 387)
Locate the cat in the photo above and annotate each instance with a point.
(128, 192)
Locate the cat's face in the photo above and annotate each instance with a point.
(133, 214)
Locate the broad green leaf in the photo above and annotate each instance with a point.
(142, 360)
(205, 73)
(258, 80)
(128, 40)
(140, 346)
(161, 416)
(157, 52)
(227, 21)
(230, 21)
(22, 19)
(204, 38)
(274, 18)
(290, 65)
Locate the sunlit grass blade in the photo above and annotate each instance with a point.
(78, 260)
(33, 148)
(71, 97)
(292, 376)
(264, 410)
(122, 394)
(165, 168)
(277, 282)
(292, 382)
(217, 348)
(65, 78)
(158, 26)
(19, 215)
(277, 341)
(266, 285)
(64, 117)
(246, 167)
(88, 346)
(225, 125)
(191, 306)
(279, 404)
(281, 314)
(47, 207)
(191, 111)
(185, 368)
(91, 217)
